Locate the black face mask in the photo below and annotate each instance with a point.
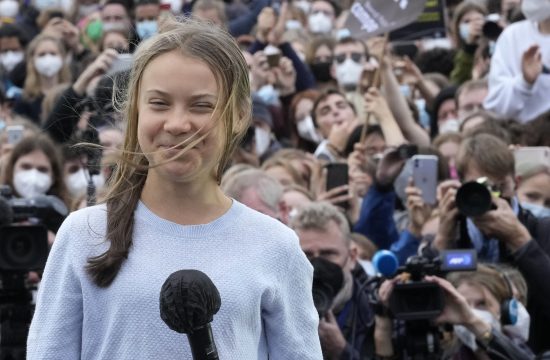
(321, 71)
(328, 279)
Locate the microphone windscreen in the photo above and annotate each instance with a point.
(6, 213)
(188, 301)
(385, 262)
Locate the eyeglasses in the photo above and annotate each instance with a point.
(355, 56)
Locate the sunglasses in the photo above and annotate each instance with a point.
(355, 56)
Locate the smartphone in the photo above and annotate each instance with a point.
(536, 155)
(123, 62)
(15, 133)
(337, 175)
(425, 176)
(273, 55)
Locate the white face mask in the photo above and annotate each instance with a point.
(9, 8)
(77, 183)
(319, 23)
(348, 73)
(293, 25)
(31, 183)
(536, 10)
(114, 26)
(467, 337)
(451, 125)
(10, 59)
(306, 130)
(263, 140)
(521, 327)
(48, 65)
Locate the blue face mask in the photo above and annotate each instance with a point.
(464, 31)
(146, 29)
(537, 210)
(268, 94)
(423, 115)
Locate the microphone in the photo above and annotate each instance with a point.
(188, 302)
(385, 262)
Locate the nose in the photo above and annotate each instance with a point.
(177, 122)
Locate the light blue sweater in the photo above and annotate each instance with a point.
(262, 275)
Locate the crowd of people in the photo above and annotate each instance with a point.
(337, 122)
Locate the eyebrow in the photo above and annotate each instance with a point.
(198, 96)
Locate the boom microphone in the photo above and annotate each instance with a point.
(188, 302)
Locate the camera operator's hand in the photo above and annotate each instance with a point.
(456, 310)
(503, 225)
(99, 67)
(419, 212)
(261, 74)
(448, 213)
(332, 339)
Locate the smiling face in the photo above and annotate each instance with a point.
(174, 113)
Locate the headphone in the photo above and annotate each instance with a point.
(508, 306)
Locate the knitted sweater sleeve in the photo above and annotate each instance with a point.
(290, 319)
(56, 328)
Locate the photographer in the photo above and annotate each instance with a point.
(474, 310)
(506, 233)
(346, 329)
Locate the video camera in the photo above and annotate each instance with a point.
(415, 301)
(418, 299)
(24, 225)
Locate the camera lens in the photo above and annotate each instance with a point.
(473, 199)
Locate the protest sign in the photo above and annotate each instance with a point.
(374, 17)
(430, 24)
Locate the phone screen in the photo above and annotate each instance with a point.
(337, 175)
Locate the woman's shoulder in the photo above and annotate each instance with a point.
(86, 222)
(257, 221)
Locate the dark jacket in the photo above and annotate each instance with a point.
(357, 317)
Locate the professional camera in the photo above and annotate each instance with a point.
(474, 198)
(418, 299)
(24, 225)
(328, 279)
(414, 303)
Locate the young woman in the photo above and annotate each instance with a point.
(34, 168)
(188, 106)
(46, 68)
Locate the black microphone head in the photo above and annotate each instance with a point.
(6, 213)
(188, 301)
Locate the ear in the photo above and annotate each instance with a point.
(353, 255)
(284, 212)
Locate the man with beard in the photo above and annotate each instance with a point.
(346, 330)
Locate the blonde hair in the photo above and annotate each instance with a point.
(32, 87)
(219, 51)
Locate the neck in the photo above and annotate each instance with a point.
(544, 27)
(185, 203)
(46, 83)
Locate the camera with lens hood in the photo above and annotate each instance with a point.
(474, 198)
